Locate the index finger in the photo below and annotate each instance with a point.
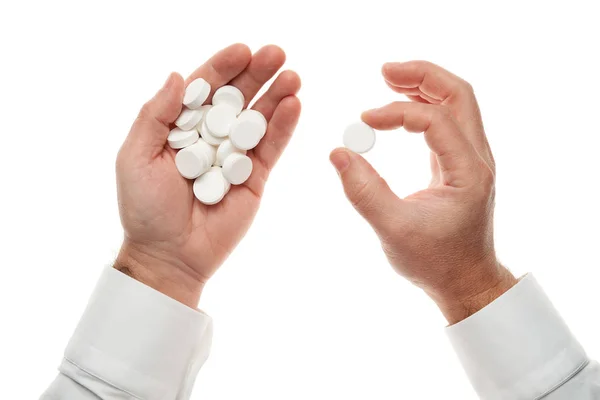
(454, 152)
(436, 85)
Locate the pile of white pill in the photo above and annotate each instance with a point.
(359, 137)
(213, 139)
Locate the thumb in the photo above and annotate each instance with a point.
(152, 126)
(367, 191)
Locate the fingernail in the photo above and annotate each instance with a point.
(340, 160)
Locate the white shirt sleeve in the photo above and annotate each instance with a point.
(132, 342)
(519, 348)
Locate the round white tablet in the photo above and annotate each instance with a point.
(210, 187)
(219, 119)
(188, 119)
(229, 95)
(203, 110)
(208, 136)
(178, 138)
(359, 137)
(209, 150)
(246, 134)
(195, 160)
(196, 94)
(224, 150)
(253, 115)
(227, 184)
(237, 168)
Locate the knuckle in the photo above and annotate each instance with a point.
(145, 111)
(466, 87)
(487, 180)
(361, 195)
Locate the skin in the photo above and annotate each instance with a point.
(440, 238)
(173, 243)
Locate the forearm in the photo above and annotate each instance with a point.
(463, 296)
(162, 272)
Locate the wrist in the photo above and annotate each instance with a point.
(481, 286)
(160, 271)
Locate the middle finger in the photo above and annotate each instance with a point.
(264, 65)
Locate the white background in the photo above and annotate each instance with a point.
(306, 307)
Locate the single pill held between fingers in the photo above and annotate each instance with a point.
(246, 134)
(237, 168)
(188, 119)
(208, 136)
(229, 95)
(178, 138)
(219, 119)
(196, 94)
(359, 137)
(210, 187)
(194, 160)
(224, 150)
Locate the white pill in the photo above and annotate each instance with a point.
(210, 187)
(208, 136)
(224, 150)
(188, 119)
(203, 110)
(229, 95)
(245, 134)
(219, 119)
(359, 137)
(195, 160)
(196, 94)
(227, 184)
(178, 138)
(253, 115)
(237, 168)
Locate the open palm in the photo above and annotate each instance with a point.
(170, 237)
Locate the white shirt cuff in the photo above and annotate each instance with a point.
(518, 347)
(136, 341)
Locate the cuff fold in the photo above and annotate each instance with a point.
(138, 341)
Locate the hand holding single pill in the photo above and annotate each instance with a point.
(173, 242)
(440, 238)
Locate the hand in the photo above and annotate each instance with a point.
(173, 242)
(441, 238)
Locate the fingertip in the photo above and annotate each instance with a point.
(169, 108)
(177, 82)
(290, 80)
(388, 68)
(371, 116)
(240, 50)
(385, 68)
(274, 53)
(289, 108)
(339, 150)
(340, 159)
